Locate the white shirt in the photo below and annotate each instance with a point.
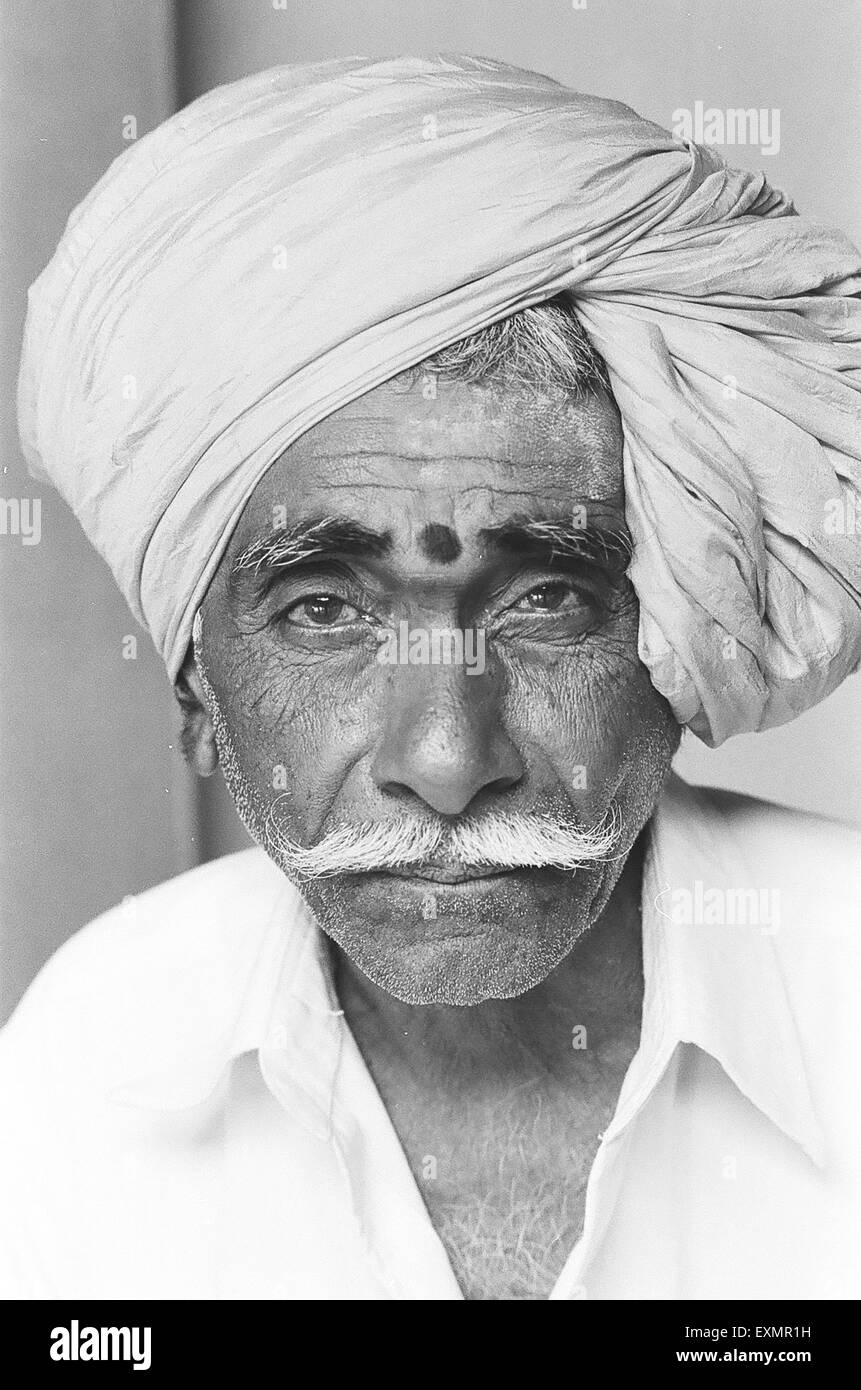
(186, 1113)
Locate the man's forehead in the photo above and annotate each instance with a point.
(429, 417)
(464, 458)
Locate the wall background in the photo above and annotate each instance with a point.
(96, 802)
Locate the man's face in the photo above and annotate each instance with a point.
(493, 513)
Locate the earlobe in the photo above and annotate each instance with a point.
(198, 736)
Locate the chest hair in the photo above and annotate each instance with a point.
(504, 1181)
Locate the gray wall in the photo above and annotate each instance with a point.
(96, 803)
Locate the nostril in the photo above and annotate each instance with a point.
(447, 786)
(508, 776)
(445, 796)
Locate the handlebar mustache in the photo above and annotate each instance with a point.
(499, 840)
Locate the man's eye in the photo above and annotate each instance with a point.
(553, 597)
(321, 610)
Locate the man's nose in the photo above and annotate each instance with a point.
(443, 739)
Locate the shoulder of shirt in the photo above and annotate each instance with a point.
(172, 966)
(814, 862)
(769, 988)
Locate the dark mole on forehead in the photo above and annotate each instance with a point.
(439, 543)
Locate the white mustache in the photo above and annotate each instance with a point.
(504, 841)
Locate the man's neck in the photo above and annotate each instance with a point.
(587, 1011)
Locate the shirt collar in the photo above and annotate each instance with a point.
(714, 985)
(711, 941)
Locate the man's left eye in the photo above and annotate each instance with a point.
(553, 597)
(321, 610)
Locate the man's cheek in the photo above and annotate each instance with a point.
(298, 739)
(634, 734)
(576, 711)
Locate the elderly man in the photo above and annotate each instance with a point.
(459, 439)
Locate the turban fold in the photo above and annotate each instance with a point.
(292, 240)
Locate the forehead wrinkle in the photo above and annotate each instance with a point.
(448, 495)
(392, 455)
(403, 430)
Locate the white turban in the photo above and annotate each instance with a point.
(290, 241)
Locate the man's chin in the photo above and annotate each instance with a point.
(459, 943)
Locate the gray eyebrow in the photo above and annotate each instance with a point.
(261, 562)
(554, 538)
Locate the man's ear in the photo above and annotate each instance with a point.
(197, 736)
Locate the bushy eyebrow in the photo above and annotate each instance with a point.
(551, 539)
(259, 565)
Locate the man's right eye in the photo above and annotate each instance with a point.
(321, 610)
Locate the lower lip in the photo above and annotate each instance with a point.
(485, 883)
